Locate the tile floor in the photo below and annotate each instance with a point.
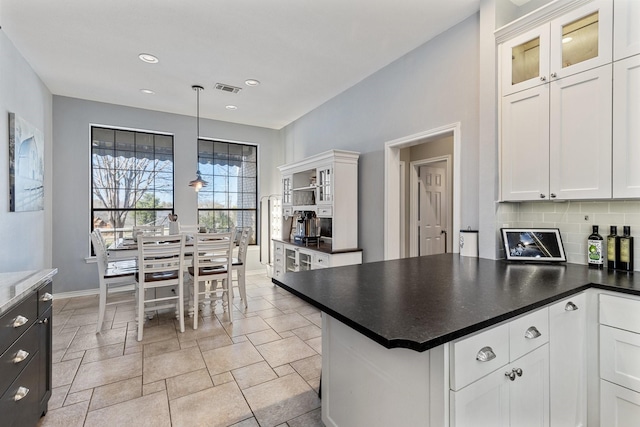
(261, 370)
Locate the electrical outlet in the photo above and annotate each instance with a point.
(586, 217)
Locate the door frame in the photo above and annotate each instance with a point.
(415, 207)
(392, 148)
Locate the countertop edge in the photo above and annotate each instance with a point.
(25, 285)
(434, 342)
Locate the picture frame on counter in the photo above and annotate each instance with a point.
(533, 244)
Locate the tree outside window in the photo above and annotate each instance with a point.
(132, 180)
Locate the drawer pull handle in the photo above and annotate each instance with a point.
(518, 371)
(532, 333)
(485, 354)
(21, 394)
(46, 297)
(20, 356)
(511, 375)
(570, 306)
(19, 321)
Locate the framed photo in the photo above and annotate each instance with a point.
(26, 166)
(533, 244)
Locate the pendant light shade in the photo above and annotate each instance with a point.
(198, 183)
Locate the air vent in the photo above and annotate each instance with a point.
(228, 88)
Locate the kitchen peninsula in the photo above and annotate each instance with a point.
(395, 332)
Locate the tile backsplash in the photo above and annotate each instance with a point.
(575, 221)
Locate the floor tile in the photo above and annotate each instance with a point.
(151, 410)
(118, 392)
(222, 378)
(88, 341)
(251, 422)
(308, 368)
(58, 395)
(154, 387)
(67, 416)
(102, 353)
(188, 383)
(282, 399)
(108, 371)
(258, 305)
(262, 337)
(285, 351)
(245, 326)
(197, 409)
(316, 344)
(310, 419)
(216, 341)
(63, 373)
(287, 303)
(287, 322)
(231, 357)
(172, 364)
(81, 396)
(315, 318)
(253, 374)
(161, 347)
(308, 332)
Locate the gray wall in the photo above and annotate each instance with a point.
(434, 85)
(72, 119)
(25, 237)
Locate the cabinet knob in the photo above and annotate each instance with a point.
(543, 79)
(570, 306)
(45, 321)
(20, 356)
(554, 75)
(21, 394)
(511, 375)
(485, 354)
(532, 333)
(518, 371)
(46, 297)
(19, 321)
(552, 195)
(543, 196)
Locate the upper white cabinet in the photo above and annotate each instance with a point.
(626, 126)
(626, 40)
(574, 42)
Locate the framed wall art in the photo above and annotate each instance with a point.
(26, 166)
(533, 244)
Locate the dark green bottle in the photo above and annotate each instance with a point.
(595, 255)
(625, 260)
(613, 248)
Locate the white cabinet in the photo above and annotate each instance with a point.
(626, 125)
(556, 139)
(297, 259)
(324, 184)
(619, 406)
(287, 199)
(291, 258)
(500, 376)
(278, 259)
(568, 362)
(572, 43)
(626, 32)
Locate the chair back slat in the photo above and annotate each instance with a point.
(160, 254)
(212, 253)
(243, 244)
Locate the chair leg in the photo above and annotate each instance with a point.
(226, 286)
(141, 316)
(196, 290)
(181, 306)
(242, 288)
(102, 306)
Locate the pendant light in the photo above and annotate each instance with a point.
(198, 183)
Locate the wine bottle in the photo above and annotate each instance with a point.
(594, 249)
(626, 250)
(613, 248)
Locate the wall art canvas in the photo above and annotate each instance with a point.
(26, 166)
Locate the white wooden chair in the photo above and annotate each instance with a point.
(191, 228)
(160, 265)
(111, 275)
(212, 259)
(239, 263)
(147, 230)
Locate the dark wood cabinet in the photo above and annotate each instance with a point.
(25, 358)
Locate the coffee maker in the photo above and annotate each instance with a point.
(307, 227)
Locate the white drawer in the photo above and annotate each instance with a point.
(528, 332)
(466, 355)
(325, 211)
(322, 260)
(620, 312)
(620, 357)
(278, 248)
(287, 210)
(619, 406)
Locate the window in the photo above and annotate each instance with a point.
(230, 199)
(131, 180)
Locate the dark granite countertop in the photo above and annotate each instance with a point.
(15, 285)
(322, 247)
(420, 303)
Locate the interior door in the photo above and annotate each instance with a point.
(432, 211)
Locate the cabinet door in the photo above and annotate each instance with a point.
(568, 362)
(286, 190)
(580, 135)
(626, 126)
(620, 357)
(626, 33)
(525, 60)
(324, 184)
(529, 393)
(304, 260)
(581, 39)
(290, 259)
(484, 403)
(525, 145)
(619, 406)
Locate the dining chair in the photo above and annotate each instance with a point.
(112, 276)
(239, 264)
(160, 265)
(192, 228)
(147, 230)
(212, 259)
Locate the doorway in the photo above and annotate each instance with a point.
(394, 220)
(429, 227)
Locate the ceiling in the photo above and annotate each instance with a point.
(303, 52)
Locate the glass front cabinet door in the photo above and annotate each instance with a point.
(324, 185)
(577, 41)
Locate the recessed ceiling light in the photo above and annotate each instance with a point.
(231, 107)
(147, 91)
(251, 82)
(567, 39)
(148, 58)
